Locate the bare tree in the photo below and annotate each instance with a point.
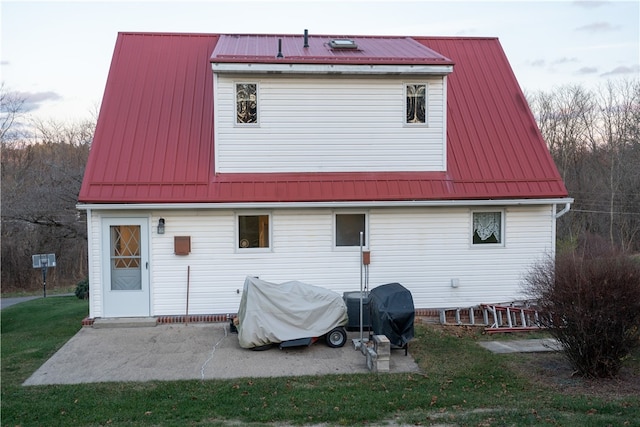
(564, 117)
(618, 103)
(12, 113)
(593, 137)
(41, 178)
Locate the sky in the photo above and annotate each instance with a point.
(56, 54)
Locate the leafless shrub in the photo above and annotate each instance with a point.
(589, 299)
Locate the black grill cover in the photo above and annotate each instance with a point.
(392, 313)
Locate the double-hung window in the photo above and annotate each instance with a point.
(488, 228)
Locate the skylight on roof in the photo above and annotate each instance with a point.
(343, 44)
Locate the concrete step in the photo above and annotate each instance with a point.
(125, 322)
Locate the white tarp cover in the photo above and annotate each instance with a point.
(273, 313)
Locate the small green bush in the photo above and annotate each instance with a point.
(589, 299)
(82, 289)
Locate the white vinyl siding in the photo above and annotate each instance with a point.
(421, 248)
(95, 265)
(428, 251)
(339, 124)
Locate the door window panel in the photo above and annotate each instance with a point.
(125, 257)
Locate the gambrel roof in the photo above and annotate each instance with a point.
(154, 141)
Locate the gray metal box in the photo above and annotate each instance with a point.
(352, 301)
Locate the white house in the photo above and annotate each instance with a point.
(218, 156)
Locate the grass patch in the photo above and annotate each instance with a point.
(460, 384)
(34, 330)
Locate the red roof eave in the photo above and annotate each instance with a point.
(322, 187)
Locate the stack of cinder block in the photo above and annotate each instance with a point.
(378, 356)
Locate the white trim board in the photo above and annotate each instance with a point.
(351, 204)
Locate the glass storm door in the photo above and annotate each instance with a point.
(126, 284)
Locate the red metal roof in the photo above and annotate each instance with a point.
(254, 48)
(154, 138)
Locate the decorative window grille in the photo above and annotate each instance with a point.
(125, 246)
(487, 227)
(416, 109)
(246, 103)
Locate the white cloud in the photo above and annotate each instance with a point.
(623, 70)
(587, 71)
(598, 27)
(33, 100)
(565, 60)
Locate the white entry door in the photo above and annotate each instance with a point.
(126, 267)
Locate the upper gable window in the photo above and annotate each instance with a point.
(246, 103)
(416, 103)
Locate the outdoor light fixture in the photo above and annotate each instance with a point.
(161, 226)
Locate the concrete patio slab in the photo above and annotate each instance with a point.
(194, 351)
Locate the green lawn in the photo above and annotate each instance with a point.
(460, 384)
